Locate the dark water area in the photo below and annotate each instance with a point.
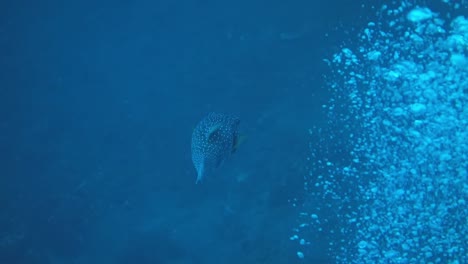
(99, 100)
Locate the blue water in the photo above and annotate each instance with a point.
(99, 101)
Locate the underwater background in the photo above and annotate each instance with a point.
(354, 115)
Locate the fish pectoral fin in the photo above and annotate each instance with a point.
(238, 140)
(213, 131)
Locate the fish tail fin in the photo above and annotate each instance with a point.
(200, 174)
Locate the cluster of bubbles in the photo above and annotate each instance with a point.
(398, 190)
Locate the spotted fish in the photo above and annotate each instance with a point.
(213, 140)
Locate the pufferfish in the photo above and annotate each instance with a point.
(214, 139)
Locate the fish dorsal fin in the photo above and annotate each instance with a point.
(213, 130)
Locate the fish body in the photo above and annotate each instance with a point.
(214, 139)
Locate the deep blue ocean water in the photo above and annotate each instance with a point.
(99, 100)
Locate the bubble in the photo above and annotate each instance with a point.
(399, 112)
